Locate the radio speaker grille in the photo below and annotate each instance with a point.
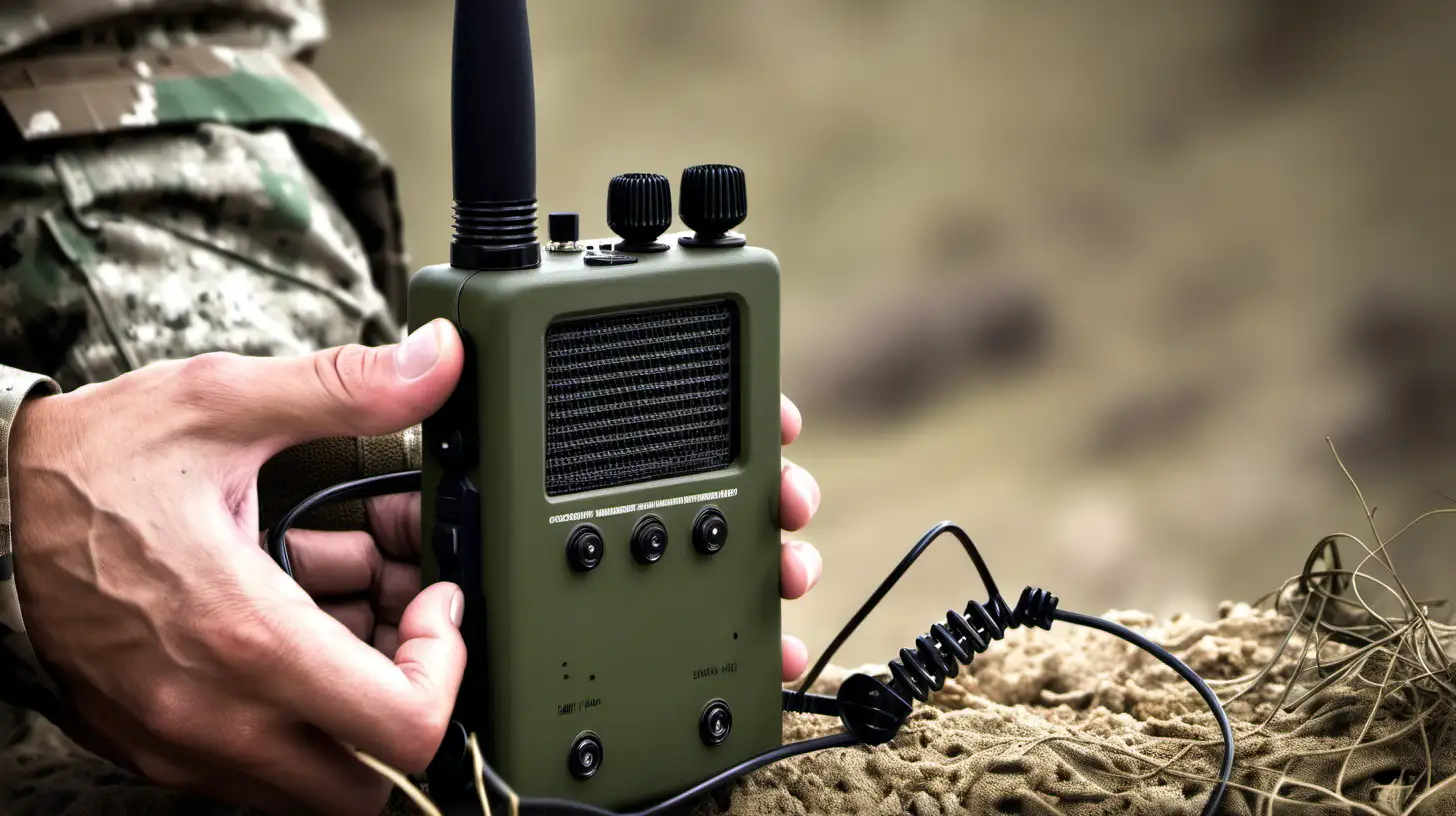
(642, 396)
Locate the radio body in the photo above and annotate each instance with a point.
(604, 487)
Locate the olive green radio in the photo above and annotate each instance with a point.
(603, 484)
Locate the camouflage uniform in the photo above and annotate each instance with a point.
(173, 181)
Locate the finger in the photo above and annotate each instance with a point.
(397, 710)
(357, 616)
(796, 658)
(334, 563)
(798, 497)
(345, 391)
(395, 521)
(790, 420)
(399, 585)
(800, 569)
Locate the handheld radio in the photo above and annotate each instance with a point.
(604, 482)
(603, 485)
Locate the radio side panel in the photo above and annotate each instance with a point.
(627, 651)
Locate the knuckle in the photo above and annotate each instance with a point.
(239, 639)
(169, 713)
(343, 372)
(208, 380)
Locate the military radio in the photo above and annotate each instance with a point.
(603, 484)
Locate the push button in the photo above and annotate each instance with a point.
(585, 757)
(710, 531)
(649, 540)
(716, 723)
(447, 551)
(585, 548)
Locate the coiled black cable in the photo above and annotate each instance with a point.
(940, 654)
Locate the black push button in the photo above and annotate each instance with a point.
(585, 757)
(710, 531)
(585, 548)
(716, 723)
(447, 551)
(649, 540)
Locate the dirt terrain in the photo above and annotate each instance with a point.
(1095, 281)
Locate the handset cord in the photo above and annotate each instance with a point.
(871, 710)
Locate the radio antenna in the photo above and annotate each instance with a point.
(493, 120)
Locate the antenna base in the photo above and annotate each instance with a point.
(492, 235)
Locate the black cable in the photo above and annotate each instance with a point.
(889, 583)
(390, 483)
(1035, 608)
(1171, 661)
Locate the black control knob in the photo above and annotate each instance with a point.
(714, 200)
(585, 756)
(564, 229)
(710, 531)
(639, 208)
(716, 723)
(584, 549)
(649, 540)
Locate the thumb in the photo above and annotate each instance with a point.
(350, 390)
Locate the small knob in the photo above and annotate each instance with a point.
(714, 201)
(715, 723)
(584, 549)
(710, 531)
(565, 232)
(585, 756)
(649, 540)
(639, 208)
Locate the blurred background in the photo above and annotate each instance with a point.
(1095, 281)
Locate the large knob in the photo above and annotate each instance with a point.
(714, 201)
(639, 208)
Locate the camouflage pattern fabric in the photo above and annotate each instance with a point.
(296, 25)
(173, 180)
(162, 202)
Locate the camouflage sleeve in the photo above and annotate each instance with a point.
(22, 680)
(121, 252)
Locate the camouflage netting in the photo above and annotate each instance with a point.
(1331, 703)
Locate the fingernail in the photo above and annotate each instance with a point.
(417, 354)
(805, 483)
(811, 559)
(457, 608)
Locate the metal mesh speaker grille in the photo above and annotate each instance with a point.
(636, 397)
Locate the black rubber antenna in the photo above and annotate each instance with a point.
(494, 138)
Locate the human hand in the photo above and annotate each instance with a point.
(366, 580)
(183, 651)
